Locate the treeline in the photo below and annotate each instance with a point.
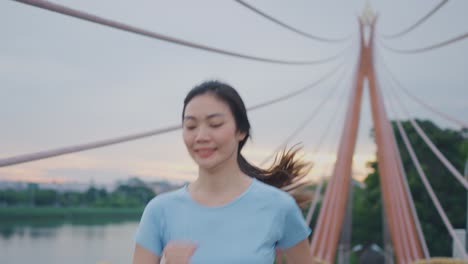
(367, 207)
(123, 196)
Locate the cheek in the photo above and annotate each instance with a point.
(228, 136)
(188, 138)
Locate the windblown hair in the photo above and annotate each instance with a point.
(285, 172)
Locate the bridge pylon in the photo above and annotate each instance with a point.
(404, 237)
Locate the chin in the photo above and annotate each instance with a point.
(212, 162)
(207, 165)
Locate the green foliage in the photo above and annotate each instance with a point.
(367, 212)
(45, 197)
(44, 214)
(11, 197)
(123, 197)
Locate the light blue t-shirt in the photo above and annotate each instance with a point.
(246, 230)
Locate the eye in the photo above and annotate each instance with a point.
(216, 125)
(190, 126)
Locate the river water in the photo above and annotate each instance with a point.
(103, 242)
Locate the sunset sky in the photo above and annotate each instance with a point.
(65, 81)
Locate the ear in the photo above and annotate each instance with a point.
(240, 135)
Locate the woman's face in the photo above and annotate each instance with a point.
(209, 132)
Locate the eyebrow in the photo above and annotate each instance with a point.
(207, 117)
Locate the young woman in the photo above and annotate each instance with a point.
(233, 212)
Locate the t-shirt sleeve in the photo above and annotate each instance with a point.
(150, 230)
(294, 228)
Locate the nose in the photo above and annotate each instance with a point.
(202, 134)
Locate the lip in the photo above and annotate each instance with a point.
(204, 152)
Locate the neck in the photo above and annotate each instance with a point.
(221, 180)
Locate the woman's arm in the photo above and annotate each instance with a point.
(299, 253)
(143, 256)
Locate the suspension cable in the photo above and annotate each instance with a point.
(9, 161)
(128, 28)
(428, 48)
(324, 238)
(296, 92)
(392, 180)
(314, 203)
(284, 25)
(417, 23)
(429, 189)
(305, 122)
(87, 146)
(311, 211)
(408, 190)
(431, 145)
(331, 121)
(463, 124)
(319, 188)
(439, 155)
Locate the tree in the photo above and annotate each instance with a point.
(45, 197)
(367, 215)
(367, 211)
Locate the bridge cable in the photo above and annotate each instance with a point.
(331, 121)
(431, 191)
(402, 228)
(408, 190)
(322, 138)
(428, 48)
(296, 92)
(417, 23)
(305, 122)
(9, 161)
(325, 221)
(298, 183)
(434, 149)
(429, 188)
(128, 28)
(315, 200)
(284, 25)
(463, 124)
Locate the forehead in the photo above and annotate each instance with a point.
(206, 104)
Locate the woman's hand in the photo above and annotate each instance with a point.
(178, 252)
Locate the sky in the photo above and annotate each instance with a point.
(64, 81)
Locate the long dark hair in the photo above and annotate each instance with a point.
(286, 170)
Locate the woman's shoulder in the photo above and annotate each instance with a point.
(273, 193)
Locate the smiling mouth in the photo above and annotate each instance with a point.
(205, 152)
